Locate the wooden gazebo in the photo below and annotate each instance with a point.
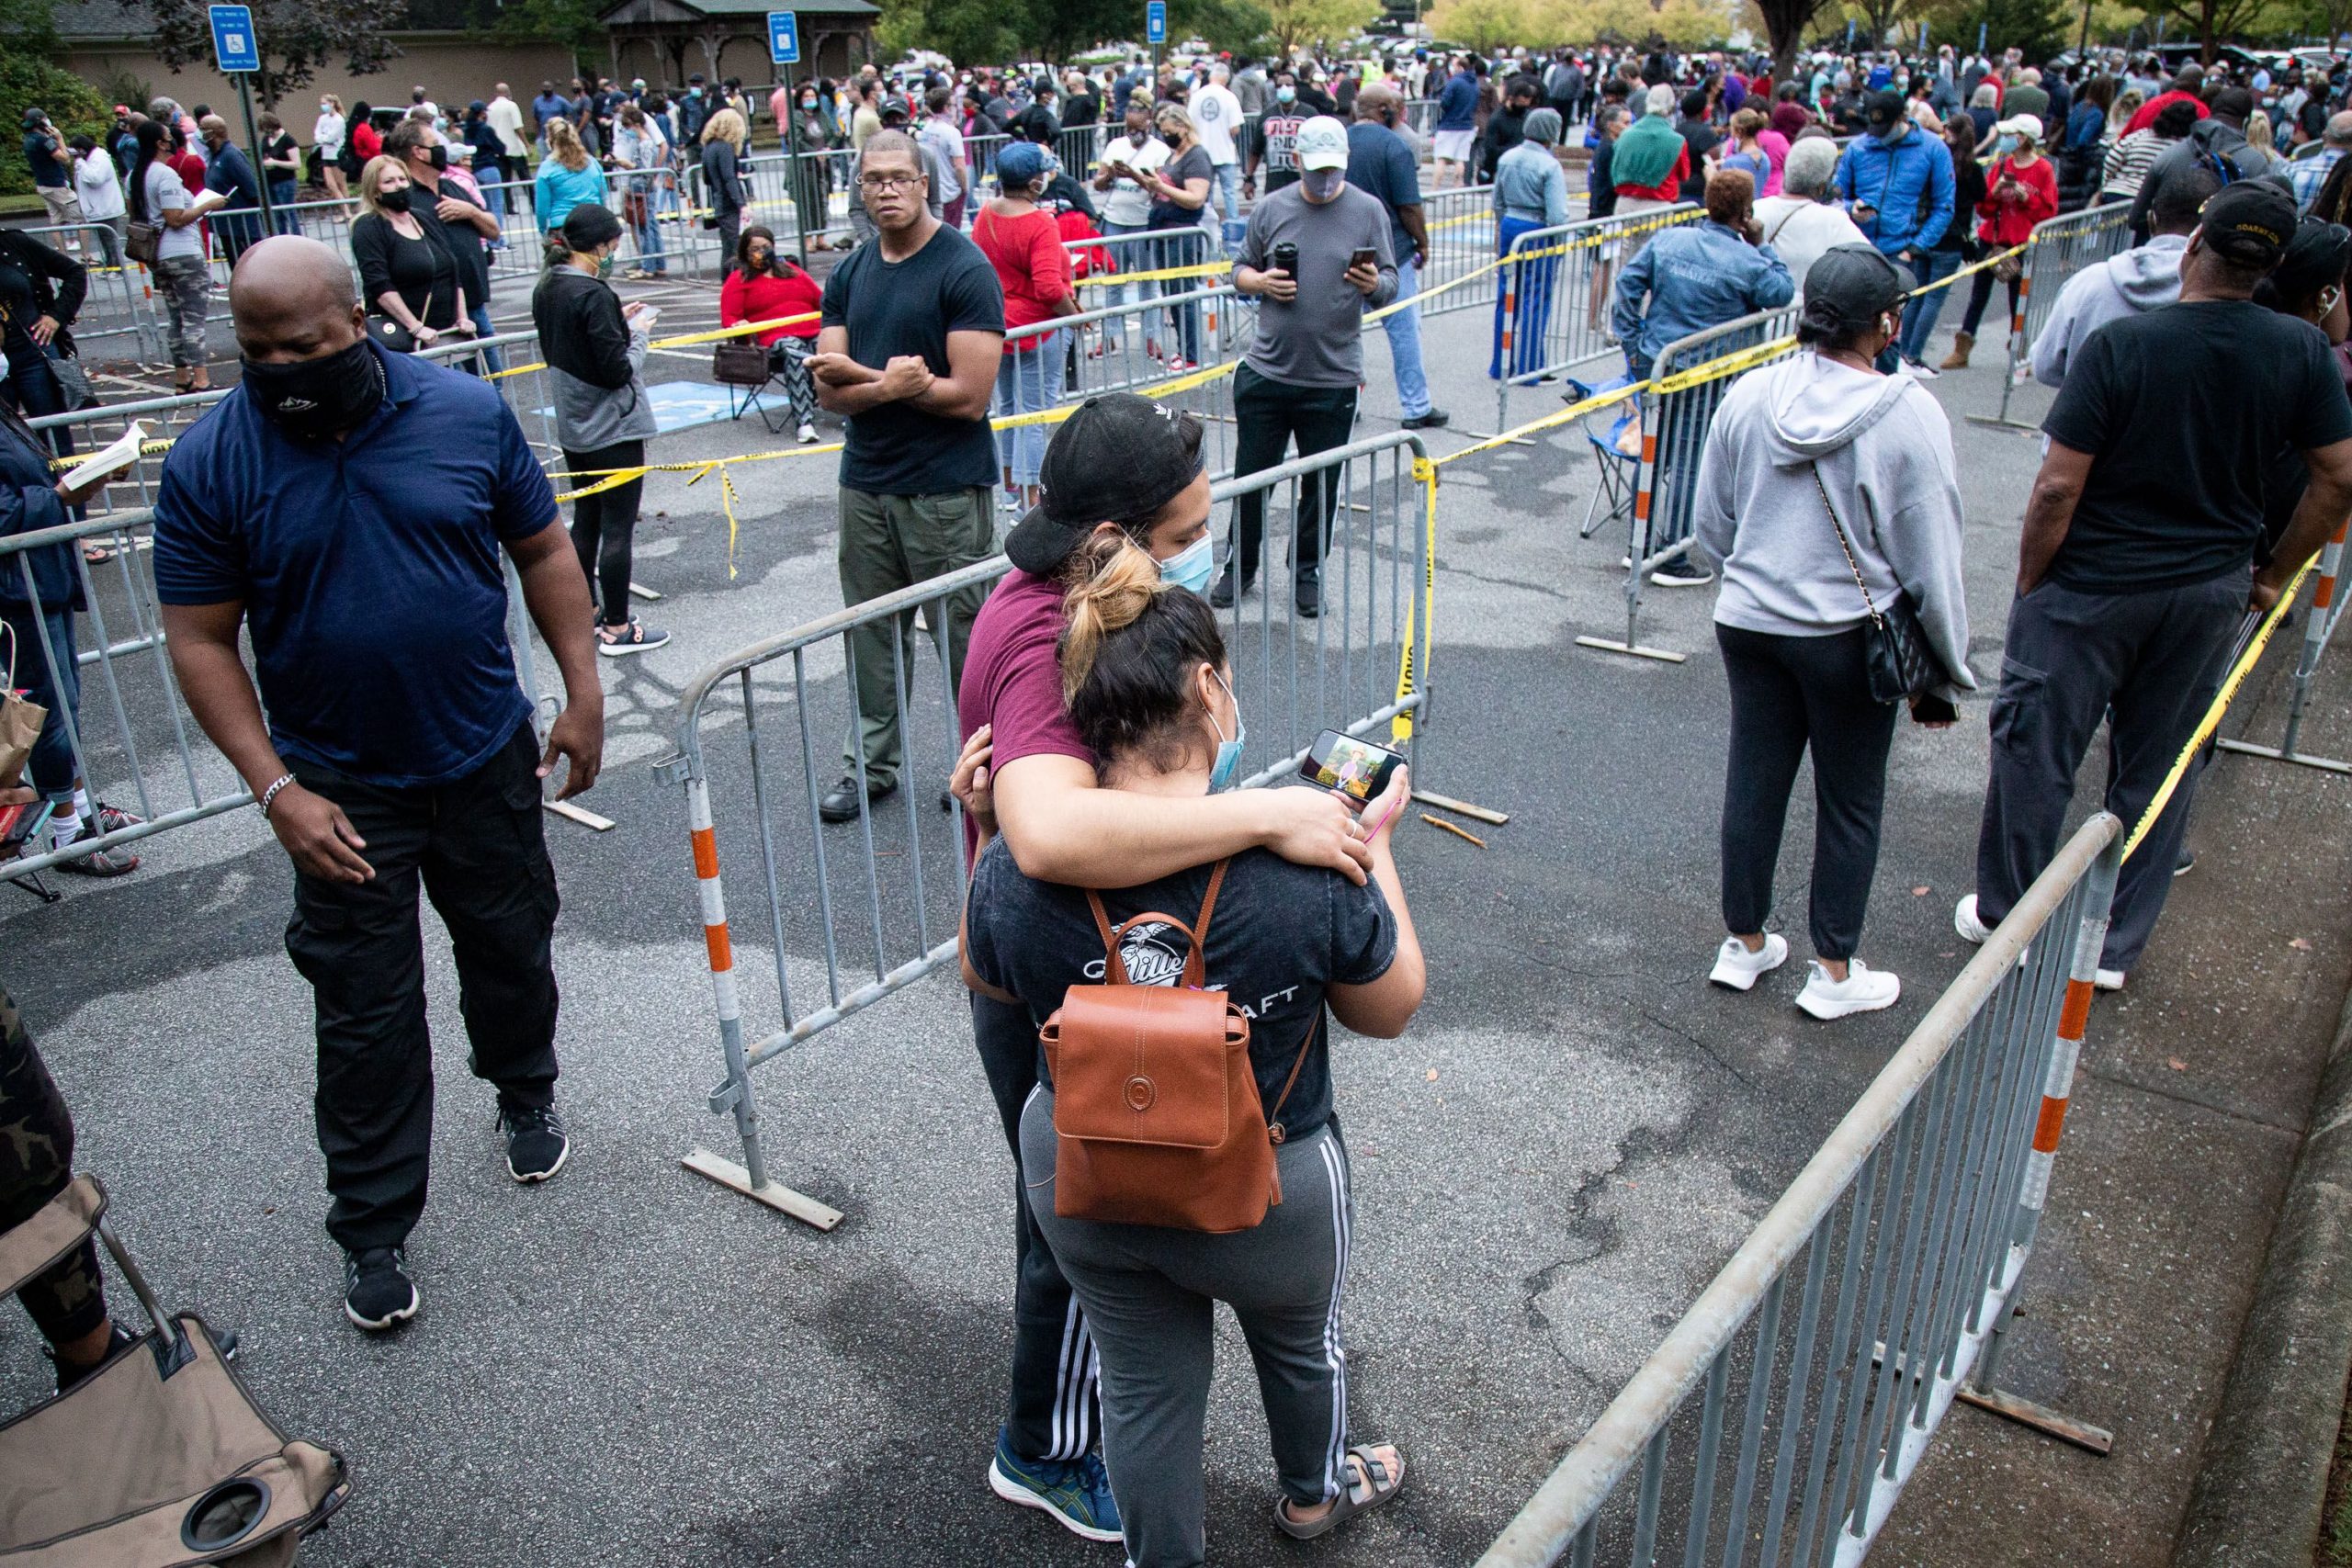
(729, 38)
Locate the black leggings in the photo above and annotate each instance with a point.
(603, 525)
(1788, 693)
(1980, 291)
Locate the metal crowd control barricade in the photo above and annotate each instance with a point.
(1130, 348)
(1694, 374)
(2318, 630)
(120, 303)
(854, 912)
(1461, 225)
(1556, 291)
(133, 738)
(2057, 249)
(1825, 1355)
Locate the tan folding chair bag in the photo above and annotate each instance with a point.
(161, 1459)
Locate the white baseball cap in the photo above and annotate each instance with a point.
(1322, 144)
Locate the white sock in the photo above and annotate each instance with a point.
(82, 810)
(65, 826)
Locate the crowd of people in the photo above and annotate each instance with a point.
(393, 754)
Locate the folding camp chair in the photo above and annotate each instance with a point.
(742, 366)
(1616, 470)
(160, 1458)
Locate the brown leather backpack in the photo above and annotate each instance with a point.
(1157, 1118)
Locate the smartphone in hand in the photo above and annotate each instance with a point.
(1356, 771)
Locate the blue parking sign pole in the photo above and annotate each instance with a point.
(236, 49)
(1155, 33)
(784, 48)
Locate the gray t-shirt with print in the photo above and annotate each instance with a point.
(1317, 340)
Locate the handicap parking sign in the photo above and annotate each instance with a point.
(783, 36)
(232, 39)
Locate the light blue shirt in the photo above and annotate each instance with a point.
(557, 190)
(1530, 183)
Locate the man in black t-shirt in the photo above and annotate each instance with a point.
(912, 330)
(459, 225)
(2134, 567)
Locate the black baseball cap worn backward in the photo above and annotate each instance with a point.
(1117, 458)
(2249, 221)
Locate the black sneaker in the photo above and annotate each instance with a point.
(2186, 864)
(1433, 420)
(1306, 592)
(1682, 573)
(377, 1291)
(1223, 593)
(67, 1377)
(840, 803)
(535, 1146)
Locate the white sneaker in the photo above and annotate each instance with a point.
(808, 434)
(2108, 980)
(1964, 921)
(1863, 990)
(1736, 968)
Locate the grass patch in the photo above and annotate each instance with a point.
(2335, 1527)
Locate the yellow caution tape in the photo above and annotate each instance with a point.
(740, 329)
(1112, 279)
(1421, 608)
(2220, 706)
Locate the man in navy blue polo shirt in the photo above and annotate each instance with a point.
(348, 506)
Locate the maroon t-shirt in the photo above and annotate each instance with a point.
(1013, 679)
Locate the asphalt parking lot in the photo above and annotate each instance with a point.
(631, 1365)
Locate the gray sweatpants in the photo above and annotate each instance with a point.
(2149, 663)
(1150, 1296)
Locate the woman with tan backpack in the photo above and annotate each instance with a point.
(1181, 1147)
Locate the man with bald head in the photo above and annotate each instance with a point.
(347, 506)
(230, 172)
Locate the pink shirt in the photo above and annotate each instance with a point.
(1776, 147)
(1013, 679)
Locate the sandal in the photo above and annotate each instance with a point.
(1368, 1470)
(97, 555)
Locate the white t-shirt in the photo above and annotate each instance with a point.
(1129, 202)
(165, 194)
(328, 133)
(1216, 116)
(506, 119)
(101, 192)
(1800, 229)
(943, 139)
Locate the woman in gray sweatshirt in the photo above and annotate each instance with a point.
(1790, 442)
(596, 353)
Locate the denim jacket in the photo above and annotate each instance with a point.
(1695, 276)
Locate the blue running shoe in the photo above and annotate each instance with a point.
(1076, 1492)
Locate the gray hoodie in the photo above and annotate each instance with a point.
(1884, 449)
(2124, 285)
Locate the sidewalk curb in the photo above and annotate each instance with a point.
(2263, 1481)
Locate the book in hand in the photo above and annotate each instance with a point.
(108, 460)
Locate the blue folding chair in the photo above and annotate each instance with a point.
(1617, 470)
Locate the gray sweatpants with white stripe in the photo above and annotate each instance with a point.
(1150, 1295)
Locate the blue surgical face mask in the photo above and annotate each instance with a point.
(1229, 752)
(1286, 94)
(2005, 145)
(1189, 568)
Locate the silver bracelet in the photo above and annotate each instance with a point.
(280, 781)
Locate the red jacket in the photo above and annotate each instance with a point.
(2008, 220)
(786, 291)
(1666, 189)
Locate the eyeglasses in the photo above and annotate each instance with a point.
(879, 182)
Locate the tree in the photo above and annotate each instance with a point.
(30, 79)
(1294, 24)
(1784, 26)
(2037, 27)
(575, 24)
(1236, 27)
(296, 36)
(1485, 25)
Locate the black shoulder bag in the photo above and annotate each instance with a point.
(1900, 665)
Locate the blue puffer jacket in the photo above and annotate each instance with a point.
(1909, 184)
(1457, 103)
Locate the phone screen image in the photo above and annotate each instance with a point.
(1354, 768)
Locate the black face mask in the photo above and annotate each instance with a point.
(313, 398)
(439, 156)
(393, 200)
